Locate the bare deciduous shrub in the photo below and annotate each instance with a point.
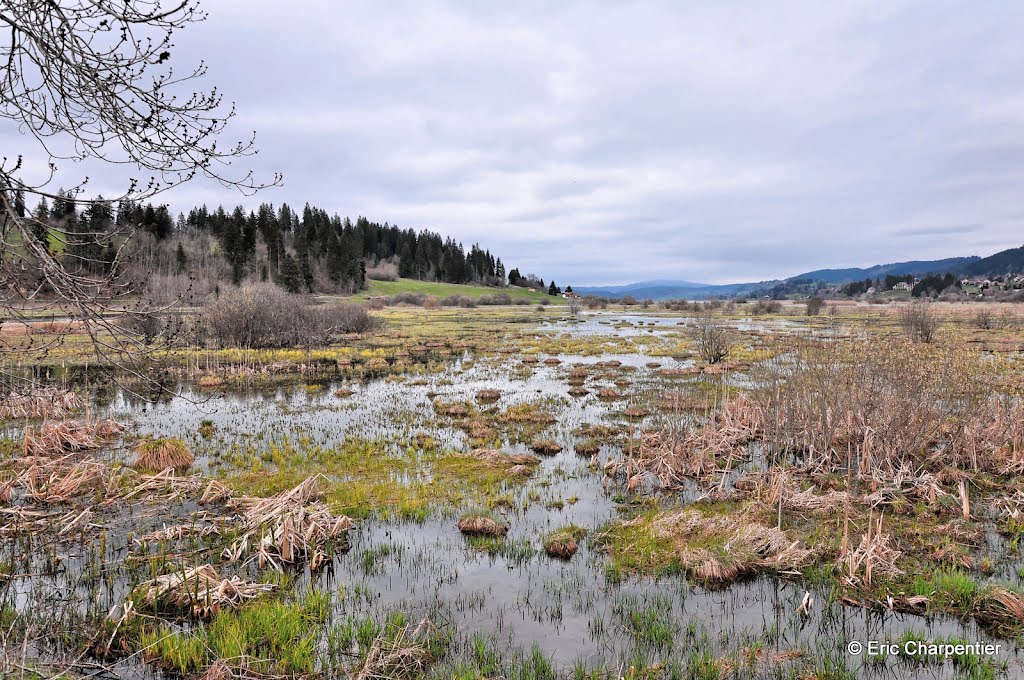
(628, 300)
(458, 301)
(594, 302)
(344, 318)
(574, 305)
(415, 299)
(766, 307)
(263, 315)
(496, 299)
(815, 305)
(383, 271)
(431, 302)
(712, 338)
(984, 319)
(919, 322)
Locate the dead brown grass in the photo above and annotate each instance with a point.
(482, 525)
(200, 590)
(65, 436)
(161, 454)
(39, 402)
(288, 527)
(546, 447)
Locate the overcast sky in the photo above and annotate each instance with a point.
(613, 142)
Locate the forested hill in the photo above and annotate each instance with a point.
(312, 249)
(301, 250)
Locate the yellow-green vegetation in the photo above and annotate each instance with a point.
(443, 290)
(713, 543)
(387, 479)
(271, 636)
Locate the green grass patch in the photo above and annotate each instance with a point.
(443, 290)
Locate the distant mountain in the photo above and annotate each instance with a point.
(914, 267)
(629, 288)
(1003, 262)
(667, 290)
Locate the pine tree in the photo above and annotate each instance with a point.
(181, 258)
(41, 221)
(291, 275)
(553, 289)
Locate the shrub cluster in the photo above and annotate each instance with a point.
(264, 315)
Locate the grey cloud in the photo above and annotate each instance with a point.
(603, 142)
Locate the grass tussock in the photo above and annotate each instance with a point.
(563, 543)
(526, 413)
(162, 453)
(450, 409)
(545, 447)
(488, 396)
(482, 524)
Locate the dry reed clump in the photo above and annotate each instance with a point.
(1001, 609)
(165, 486)
(343, 393)
(482, 524)
(200, 590)
(546, 447)
(405, 655)
(608, 393)
(578, 374)
(162, 454)
(672, 455)
(578, 392)
(635, 412)
(210, 381)
(57, 482)
(876, 555)
(681, 402)
(722, 549)
(552, 361)
(39, 402)
(782, 490)
(488, 395)
(287, 528)
(588, 447)
(65, 436)
(902, 406)
(529, 361)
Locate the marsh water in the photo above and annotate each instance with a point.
(575, 612)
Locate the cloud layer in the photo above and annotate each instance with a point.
(608, 142)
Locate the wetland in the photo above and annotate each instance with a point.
(524, 493)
